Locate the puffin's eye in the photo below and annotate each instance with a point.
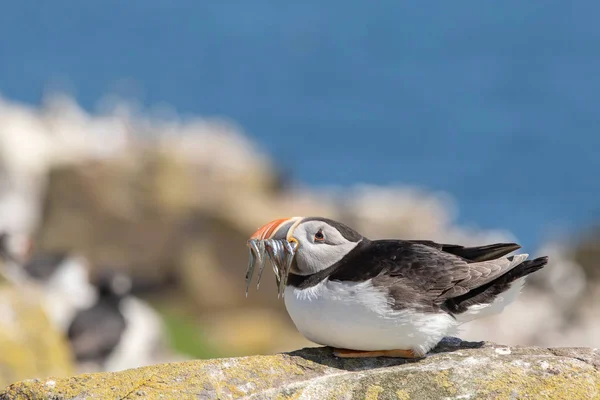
(319, 236)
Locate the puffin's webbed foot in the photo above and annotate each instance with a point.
(345, 353)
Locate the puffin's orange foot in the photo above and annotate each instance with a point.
(345, 353)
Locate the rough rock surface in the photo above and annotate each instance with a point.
(454, 370)
(29, 345)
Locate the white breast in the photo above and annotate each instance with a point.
(357, 316)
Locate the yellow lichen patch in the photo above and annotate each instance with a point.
(336, 390)
(262, 372)
(442, 379)
(373, 392)
(402, 395)
(30, 347)
(566, 381)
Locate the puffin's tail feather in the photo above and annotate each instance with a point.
(492, 297)
(525, 268)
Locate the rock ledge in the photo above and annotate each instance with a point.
(454, 370)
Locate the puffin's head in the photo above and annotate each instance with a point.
(302, 245)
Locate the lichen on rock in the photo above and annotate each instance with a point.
(29, 344)
(454, 370)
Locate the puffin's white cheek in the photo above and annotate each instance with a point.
(316, 257)
(330, 255)
(308, 262)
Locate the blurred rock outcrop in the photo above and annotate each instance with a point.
(587, 253)
(30, 346)
(457, 370)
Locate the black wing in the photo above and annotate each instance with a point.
(416, 273)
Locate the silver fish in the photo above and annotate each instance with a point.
(279, 252)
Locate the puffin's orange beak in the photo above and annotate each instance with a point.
(268, 230)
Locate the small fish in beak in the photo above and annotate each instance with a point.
(256, 254)
(273, 241)
(281, 254)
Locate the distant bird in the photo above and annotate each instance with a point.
(64, 277)
(394, 298)
(95, 332)
(119, 331)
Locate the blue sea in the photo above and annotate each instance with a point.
(495, 103)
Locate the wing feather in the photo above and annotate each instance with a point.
(416, 272)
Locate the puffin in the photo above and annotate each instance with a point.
(96, 331)
(383, 298)
(63, 276)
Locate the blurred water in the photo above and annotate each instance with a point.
(495, 103)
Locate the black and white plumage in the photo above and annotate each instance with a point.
(95, 332)
(389, 297)
(62, 276)
(65, 280)
(119, 331)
